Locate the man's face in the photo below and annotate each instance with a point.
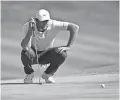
(41, 25)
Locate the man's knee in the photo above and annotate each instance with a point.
(62, 54)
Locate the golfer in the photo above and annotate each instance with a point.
(38, 45)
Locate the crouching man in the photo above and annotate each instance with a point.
(40, 33)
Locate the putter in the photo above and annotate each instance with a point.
(39, 81)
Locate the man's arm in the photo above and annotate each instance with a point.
(73, 29)
(26, 42)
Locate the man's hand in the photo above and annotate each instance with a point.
(62, 49)
(32, 23)
(30, 53)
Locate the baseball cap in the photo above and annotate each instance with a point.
(43, 15)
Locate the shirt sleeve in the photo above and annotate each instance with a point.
(60, 25)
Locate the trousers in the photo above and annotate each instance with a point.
(51, 57)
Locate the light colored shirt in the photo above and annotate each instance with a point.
(43, 43)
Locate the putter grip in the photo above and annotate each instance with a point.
(32, 24)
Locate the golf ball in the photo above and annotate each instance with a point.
(103, 85)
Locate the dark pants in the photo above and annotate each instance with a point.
(52, 56)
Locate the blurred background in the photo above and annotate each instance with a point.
(95, 50)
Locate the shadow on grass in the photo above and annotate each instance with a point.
(19, 83)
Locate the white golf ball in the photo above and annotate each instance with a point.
(103, 85)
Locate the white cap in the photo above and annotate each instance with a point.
(43, 15)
